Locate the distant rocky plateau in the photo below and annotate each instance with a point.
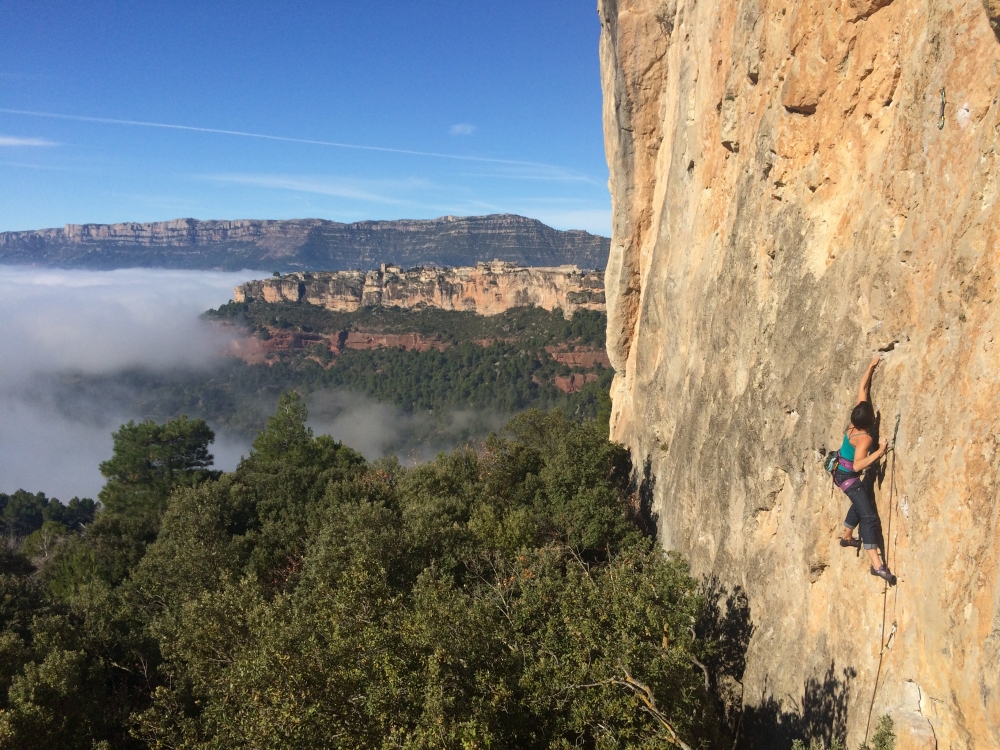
(486, 288)
(304, 244)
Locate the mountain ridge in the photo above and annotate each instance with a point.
(304, 244)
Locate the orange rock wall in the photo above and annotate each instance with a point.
(487, 289)
(579, 357)
(409, 341)
(575, 382)
(796, 184)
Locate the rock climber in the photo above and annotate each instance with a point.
(855, 457)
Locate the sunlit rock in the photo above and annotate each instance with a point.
(796, 185)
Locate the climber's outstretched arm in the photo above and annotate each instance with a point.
(866, 380)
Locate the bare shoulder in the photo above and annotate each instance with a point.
(861, 440)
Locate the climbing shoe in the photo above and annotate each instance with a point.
(884, 574)
(856, 543)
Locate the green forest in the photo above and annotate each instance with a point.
(530, 326)
(507, 596)
(503, 378)
(493, 362)
(499, 597)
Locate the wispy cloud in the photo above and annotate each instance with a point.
(462, 128)
(375, 191)
(264, 136)
(559, 213)
(424, 196)
(13, 140)
(593, 220)
(539, 172)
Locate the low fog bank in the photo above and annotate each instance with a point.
(102, 321)
(53, 442)
(375, 429)
(54, 322)
(56, 448)
(73, 341)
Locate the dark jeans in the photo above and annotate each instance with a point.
(862, 511)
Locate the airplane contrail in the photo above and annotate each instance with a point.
(335, 144)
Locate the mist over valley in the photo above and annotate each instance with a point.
(91, 350)
(62, 331)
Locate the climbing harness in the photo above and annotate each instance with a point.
(885, 590)
(835, 464)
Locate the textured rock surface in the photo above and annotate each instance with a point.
(796, 184)
(254, 351)
(578, 356)
(487, 288)
(307, 244)
(573, 383)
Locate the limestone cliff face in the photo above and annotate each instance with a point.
(797, 184)
(487, 288)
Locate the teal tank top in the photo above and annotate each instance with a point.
(847, 450)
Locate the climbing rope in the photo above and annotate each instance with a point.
(883, 641)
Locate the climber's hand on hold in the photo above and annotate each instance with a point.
(883, 446)
(866, 379)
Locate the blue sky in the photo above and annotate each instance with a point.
(500, 98)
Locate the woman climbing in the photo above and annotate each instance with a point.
(855, 458)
